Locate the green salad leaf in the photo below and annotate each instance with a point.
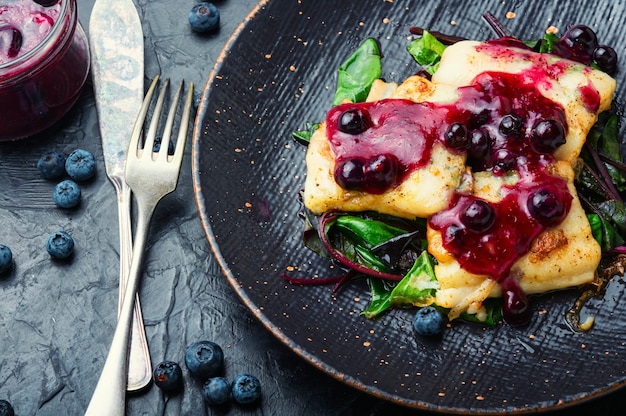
(545, 44)
(427, 51)
(604, 139)
(304, 136)
(417, 288)
(356, 75)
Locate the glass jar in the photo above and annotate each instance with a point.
(38, 87)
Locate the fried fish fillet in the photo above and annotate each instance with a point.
(426, 190)
(583, 92)
(564, 256)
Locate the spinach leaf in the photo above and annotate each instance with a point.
(304, 136)
(427, 51)
(616, 211)
(417, 288)
(604, 232)
(493, 308)
(381, 297)
(544, 45)
(368, 232)
(356, 75)
(600, 183)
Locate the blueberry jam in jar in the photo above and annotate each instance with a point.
(44, 63)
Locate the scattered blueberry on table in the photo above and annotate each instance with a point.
(204, 17)
(80, 165)
(47, 3)
(6, 409)
(60, 245)
(204, 359)
(66, 194)
(51, 165)
(168, 376)
(246, 389)
(428, 321)
(157, 145)
(6, 258)
(216, 391)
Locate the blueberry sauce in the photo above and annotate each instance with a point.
(23, 25)
(503, 124)
(44, 63)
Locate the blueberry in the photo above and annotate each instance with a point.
(60, 245)
(204, 359)
(246, 389)
(66, 194)
(168, 376)
(478, 215)
(47, 3)
(479, 143)
(6, 409)
(381, 172)
(428, 321)
(510, 125)
(547, 135)
(354, 121)
(157, 146)
(579, 42)
(51, 165)
(6, 258)
(350, 173)
(456, 136)
(80, 165)
(606, 58)
(15, 45)
(216, 391)
(204, 17)
(547, 206)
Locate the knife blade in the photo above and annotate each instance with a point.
(117, 66)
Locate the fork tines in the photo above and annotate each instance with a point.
(152, 134)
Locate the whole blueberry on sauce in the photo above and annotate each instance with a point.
(504, 125)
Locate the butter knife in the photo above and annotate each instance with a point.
(117, 66)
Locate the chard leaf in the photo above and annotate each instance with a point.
(427, 51)
(616, 211)
(493, 307)
(381, 299)
(368, 232)
(304, 136)
(356, 75)
(604, 139)
(417, 288)
(604, 232)
(548, 42)
(597, 229)
(367, 258)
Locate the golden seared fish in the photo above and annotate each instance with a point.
(486, 151)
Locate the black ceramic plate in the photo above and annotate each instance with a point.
(277, 72)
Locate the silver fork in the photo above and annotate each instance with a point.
(150, 176)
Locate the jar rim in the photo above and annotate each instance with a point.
(55, 31)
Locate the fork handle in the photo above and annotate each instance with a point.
(109, 396)
(139, 365)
